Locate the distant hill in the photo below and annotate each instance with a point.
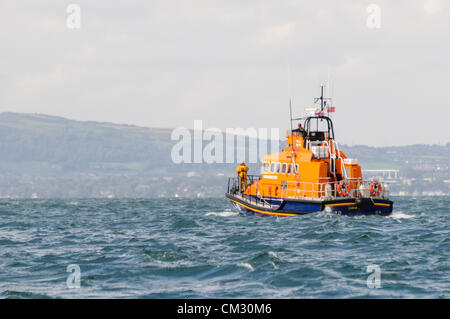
(52, 157)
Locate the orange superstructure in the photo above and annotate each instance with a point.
(306, 163)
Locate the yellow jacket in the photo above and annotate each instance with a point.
(241, 170)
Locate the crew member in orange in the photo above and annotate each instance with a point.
(241, 170)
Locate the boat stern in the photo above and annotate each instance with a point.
(359, 206)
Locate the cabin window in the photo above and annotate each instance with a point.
(283, 170)
(290, 169)
(348, 172)
(296, 168)
(278, 167)
(272, 167)
(266, 167)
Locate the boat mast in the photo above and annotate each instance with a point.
(322, 99)
(290, 112)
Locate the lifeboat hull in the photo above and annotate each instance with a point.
(250, 205)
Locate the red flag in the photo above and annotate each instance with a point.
(331, 109)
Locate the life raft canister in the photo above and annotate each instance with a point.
(343, 188)
(376, 188)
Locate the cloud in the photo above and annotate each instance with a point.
(433, 7)
(282, 33)
(133, 61)
(30, 87)
(52, 24)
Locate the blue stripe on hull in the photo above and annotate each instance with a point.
(302, 208)
(243, 210)
(296, 207)
(353, 210)
(269, 200)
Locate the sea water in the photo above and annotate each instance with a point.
(201, 248)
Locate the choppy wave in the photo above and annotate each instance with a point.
(400, 215)
(192, 248)
(222, 214)
(11, 294)
(272, 254)
(246, 266)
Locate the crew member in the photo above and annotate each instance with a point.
(301, 130)
(241, 170)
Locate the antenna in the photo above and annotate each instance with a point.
(323, 102)
(321, 97)
(290, 113)
(290, 97)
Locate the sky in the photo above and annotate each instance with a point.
(233, 64)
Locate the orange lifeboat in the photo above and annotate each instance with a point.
(310, 175)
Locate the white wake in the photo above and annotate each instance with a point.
(222, 214)
(246, 266)
(400, 215)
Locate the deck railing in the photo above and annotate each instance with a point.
(308, 190)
